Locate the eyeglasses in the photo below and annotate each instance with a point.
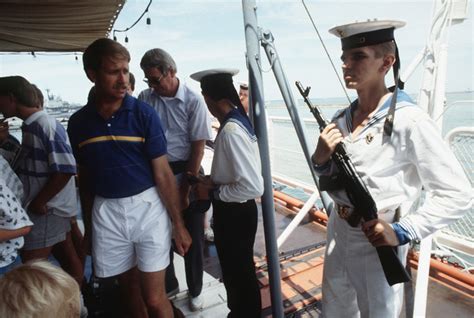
(153, 81)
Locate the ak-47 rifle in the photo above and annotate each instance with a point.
(364, 204)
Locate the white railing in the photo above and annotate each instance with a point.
(457, 240)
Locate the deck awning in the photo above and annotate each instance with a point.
(55, 25)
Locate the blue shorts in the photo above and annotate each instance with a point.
(9, 267)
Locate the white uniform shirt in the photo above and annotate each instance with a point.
(184, 119)
(395, 171)
(236, 166)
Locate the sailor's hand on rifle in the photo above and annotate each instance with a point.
(328, 139)
(380, 233)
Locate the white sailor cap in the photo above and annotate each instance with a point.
(198, 76)
(243, 85)
(217, 83)
(370, 32)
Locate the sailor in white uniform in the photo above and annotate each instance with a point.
(233, 185)
(397, 150)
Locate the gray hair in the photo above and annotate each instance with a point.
(158, 58)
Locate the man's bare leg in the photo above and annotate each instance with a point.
(67, 257)
(154, 295)
(77, 238)
(131, 294)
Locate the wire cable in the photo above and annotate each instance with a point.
(138, 20)
(325, 49)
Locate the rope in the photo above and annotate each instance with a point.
(325, 50)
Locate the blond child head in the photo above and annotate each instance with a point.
(39, 289)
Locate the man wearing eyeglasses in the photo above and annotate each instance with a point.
(187, 126)
(128, 193)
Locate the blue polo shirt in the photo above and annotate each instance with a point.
(118, 151)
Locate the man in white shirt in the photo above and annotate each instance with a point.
(187, 126)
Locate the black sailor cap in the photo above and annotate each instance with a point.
(370, 32)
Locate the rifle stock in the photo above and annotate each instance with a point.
(364, 204)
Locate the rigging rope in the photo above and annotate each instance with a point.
(327, 53)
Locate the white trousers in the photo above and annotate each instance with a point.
(354, 284)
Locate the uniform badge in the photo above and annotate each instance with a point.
(369, 138)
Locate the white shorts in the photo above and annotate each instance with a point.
(130, 231)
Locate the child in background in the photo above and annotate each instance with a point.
(39, 289)
(14, 222)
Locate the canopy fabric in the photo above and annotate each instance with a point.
(55, 25)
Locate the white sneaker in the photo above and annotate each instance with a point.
(209, 234)
(196, 303)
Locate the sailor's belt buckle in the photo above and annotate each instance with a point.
(344, 212)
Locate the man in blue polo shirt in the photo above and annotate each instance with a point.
(128, 191)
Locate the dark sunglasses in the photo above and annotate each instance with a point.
(153, 81)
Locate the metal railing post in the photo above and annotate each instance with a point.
(258, 111)
(274, 59)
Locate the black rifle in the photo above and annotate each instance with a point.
(364, 204)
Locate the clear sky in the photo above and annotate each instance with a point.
(205, 34)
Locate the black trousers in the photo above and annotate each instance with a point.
(193, 259)
(235, 226)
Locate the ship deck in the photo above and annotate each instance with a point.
(301, 266)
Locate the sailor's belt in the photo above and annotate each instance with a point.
(344, 212)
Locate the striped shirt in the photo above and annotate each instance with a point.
(46, 150)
